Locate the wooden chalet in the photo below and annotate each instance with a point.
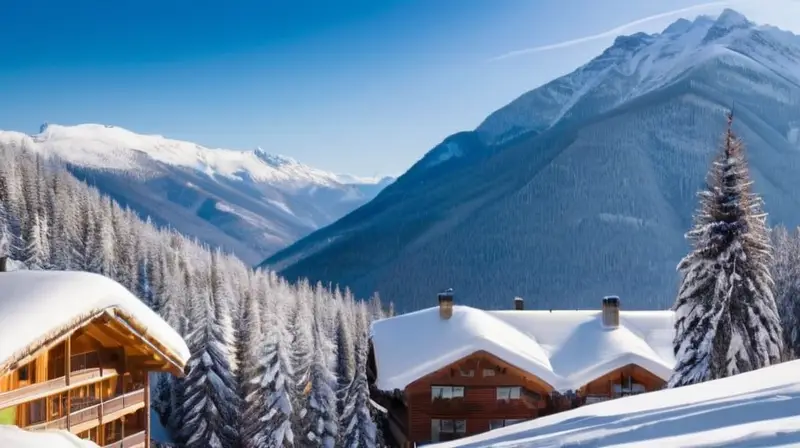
(456, 371)
(75, 353)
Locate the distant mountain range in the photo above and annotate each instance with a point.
(249, 202)
(582, 187)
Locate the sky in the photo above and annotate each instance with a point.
(352, 86)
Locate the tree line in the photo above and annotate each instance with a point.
(272, 364)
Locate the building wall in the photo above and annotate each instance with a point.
(479, 404)
(631, 373)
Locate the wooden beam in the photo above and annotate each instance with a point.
(67, 368)
(146, 410)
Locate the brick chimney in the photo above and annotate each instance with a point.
(446, 304)
(519, 304)
(3, 263)
(611, 311)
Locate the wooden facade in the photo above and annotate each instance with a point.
(482, 392)
(91, 381)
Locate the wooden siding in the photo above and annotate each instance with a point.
(480, 405)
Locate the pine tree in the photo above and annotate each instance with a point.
(726, 318)
(358, 426)
(209, 388)
(270, 407)
(35, 256)
(786, 273)
(318, 414)
(345, 356)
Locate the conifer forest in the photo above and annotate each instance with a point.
(272, 364)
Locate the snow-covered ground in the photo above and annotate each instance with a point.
(14, 437)
(754, 409)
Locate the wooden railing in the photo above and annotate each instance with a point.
(129, 441)
(46, 388)
(96, 412)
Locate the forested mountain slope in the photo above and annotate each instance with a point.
(249, 202)
(259, 346)
(583, 187)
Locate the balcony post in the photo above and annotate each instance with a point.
(67, 368)
(146, 409)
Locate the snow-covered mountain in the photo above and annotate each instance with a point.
(250, 202)
(582, 187)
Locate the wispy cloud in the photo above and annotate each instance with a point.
(615, 31)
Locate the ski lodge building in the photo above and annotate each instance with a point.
(452, 371)
(75, 352)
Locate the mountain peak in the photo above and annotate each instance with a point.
(732, 19)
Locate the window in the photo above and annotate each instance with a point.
(469, 373)
(447, 392)
(488, 372)
(508, 393)
(442, 430)
(494, 424)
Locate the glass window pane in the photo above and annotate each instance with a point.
(494, 424)
(514, 392)
(488, 372)
(503, 393)
(446, 426)
(458, 392)
(447, 392)
(510, 422)
(435, 425)
(436, 392)
(460, 426)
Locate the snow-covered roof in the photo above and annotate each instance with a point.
(753, 409)
(13, 437)
(38, 306)
(566, 349)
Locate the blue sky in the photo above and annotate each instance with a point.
(359, 86)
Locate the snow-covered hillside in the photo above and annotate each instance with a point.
(250, 202)
(754, 409)
(582, 187)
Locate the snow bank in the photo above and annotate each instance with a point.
(566, 349)
(752, 409)
(37, 304)
(14, 437)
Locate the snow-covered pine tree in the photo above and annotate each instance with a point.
(726, 318)
(270, 401)
(318, 414)
(209, 407)
(35, 256)
(248, 351)
(358, 428)
(345, 354)
(786, 273)
(301, 321)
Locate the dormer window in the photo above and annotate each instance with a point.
(446, 392)
(467, 373)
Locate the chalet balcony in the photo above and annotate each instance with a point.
(96, 414)
(51, 387)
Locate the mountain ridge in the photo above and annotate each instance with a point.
(249, 202)
(559, 171)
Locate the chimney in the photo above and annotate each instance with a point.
(446, 304)
(3, 263)
(519, 304)
(611, 311)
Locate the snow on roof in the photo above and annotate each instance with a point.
(13, 436)
(757, 408)
(566, 349)
(39, 305)
(410, 346)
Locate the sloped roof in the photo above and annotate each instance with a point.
(566, 349)
(37, 306)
